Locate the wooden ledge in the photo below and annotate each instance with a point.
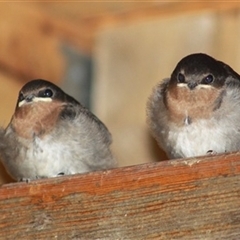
(197, 198)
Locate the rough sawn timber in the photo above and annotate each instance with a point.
(196, 198)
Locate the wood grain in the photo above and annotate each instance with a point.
(194, 198)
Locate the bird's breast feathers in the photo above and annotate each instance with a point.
(36, 119)
(197, 138)
(183, 103)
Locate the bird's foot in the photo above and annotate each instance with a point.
(61, 174)
(26, 180)
(211, 152)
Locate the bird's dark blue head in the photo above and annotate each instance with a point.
(201, 70)
(43, 91)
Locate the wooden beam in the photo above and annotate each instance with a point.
(27, 49)
(195, 198)
(80, 22)
(33, 33)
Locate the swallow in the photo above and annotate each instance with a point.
(51, 134)
(197, 110)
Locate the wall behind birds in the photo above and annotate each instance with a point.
(131, 59)
(132, 46)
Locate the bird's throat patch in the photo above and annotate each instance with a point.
(36, 119)
(183, 103)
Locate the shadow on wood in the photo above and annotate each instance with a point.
(197, 198)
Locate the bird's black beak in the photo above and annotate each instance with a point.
(192, 85)
(29, 98)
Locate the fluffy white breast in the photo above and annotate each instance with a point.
(198, 138)
(48, 157)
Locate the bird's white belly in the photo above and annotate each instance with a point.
(43, 159)
(46, 158)
(197, 139)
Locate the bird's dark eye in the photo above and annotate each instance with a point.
(47, 93)
(181, 78)
(20, 97)
(208, 79)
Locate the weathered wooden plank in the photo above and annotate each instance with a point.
(194, 198)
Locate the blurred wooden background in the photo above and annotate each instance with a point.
(130, 46)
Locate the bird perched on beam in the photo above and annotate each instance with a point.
(51, 134)
(197, 110)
